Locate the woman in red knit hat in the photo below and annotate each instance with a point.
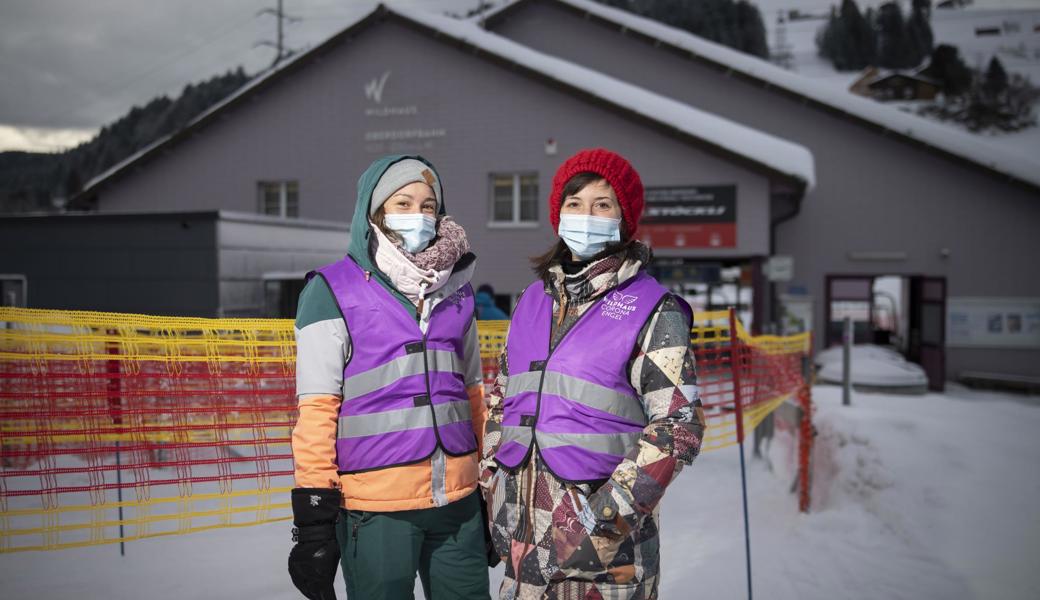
(595, 409)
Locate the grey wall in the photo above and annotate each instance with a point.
(251, 246)
(159, 264)
(313, 125)
(874, 192)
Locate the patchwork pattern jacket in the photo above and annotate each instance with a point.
(598, 540)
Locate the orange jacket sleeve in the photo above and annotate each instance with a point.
(478, 412)
(314, 441)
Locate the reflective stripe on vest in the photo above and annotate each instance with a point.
(403, 392)
(575, 404)
(404, 366)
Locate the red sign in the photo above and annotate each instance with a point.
(689, 235)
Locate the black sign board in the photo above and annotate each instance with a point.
(691, 204)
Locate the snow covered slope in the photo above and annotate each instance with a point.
(1017, 46)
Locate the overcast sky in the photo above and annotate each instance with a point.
(68, 67)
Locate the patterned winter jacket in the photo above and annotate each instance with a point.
(546, 530)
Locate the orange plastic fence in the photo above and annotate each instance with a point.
(118, 427)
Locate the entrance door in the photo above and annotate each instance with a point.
(852, 296)
(928, 328)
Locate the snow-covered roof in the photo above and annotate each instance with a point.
(942, 137)
(773, 153)
(776, 153)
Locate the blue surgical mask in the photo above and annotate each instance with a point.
(586, 235)
(416, 230)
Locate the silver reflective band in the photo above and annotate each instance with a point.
(379, 377)
(520, 435)
(578, 390)
(523, 382)
(417, 417)
(617, 444)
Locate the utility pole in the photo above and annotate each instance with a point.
(781, 54)
(281, 52)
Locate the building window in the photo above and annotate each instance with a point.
(279, 198)
(514, 198)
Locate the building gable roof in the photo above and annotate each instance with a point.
(761, 151)
(941, 138)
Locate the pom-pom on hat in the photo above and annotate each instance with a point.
(619, 174)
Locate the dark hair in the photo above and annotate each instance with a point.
(379, 220)
(559, 250)
(578, 182)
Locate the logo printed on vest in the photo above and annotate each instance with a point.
(618, 306)
(457, 298)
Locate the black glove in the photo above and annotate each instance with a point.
(315, 557)
(489, 546)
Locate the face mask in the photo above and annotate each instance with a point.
(416, 230)
(587, 235)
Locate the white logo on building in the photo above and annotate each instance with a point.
(374, 88)
(618, 306)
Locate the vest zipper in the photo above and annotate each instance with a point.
(545, 366)
(426, 376)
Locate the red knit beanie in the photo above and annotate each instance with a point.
(618, 173)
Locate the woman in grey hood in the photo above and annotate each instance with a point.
(391, 402)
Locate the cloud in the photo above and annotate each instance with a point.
(39, 139)
(69, 65)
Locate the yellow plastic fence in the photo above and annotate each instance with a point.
(117, 427)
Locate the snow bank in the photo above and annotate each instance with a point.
(872, 366)
(859, 351)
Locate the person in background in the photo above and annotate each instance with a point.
(487, 310)
(390, 392)
(595, 409)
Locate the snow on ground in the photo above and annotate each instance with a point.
(918, 497)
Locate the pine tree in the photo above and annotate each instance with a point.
(848, 39)
(862, 40)
(946, 66)
(737, 24)
(919, 37)
(995, 82)
(752, 29)
(892, 44)
(827, 37)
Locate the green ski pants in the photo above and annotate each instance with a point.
(382, 551)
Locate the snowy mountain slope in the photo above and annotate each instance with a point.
(1017, 46)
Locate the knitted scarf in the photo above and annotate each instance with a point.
(446, 250)
(574, 294)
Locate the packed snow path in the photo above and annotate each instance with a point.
(917, 497)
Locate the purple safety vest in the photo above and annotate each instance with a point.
(404, 393)
(575, 404)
